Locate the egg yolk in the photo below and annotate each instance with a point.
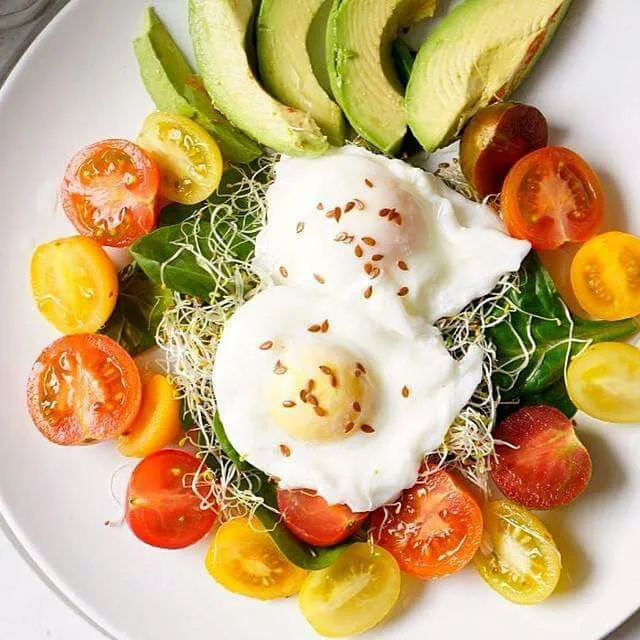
(318, 394)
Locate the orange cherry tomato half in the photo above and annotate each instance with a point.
(162, 508)
(551, 197)
(312, 519)
(109, 192)
(82, 389)
(436, 529)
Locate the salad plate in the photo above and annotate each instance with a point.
(78, 83)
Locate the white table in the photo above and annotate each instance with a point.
(30, 607)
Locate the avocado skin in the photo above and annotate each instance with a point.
(285, 64)
(458, 24)
(175, 88)
(221, 32)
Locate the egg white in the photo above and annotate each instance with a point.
(454, 250)
(365, 470)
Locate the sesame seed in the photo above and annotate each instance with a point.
(348, 428)
(367, 428)
(265, 346)
(283, 272)
(320, 412)
(279, 369)
(358, 251)
(377, 257)
(368, 183)
(288, 404)
(356, 407)
(324, 327)
(403, 291)
(368, 292)
(369, 241)
(359, 204)
(405, 391)
(285, 451)
(402, 265)
(300, 227)
(319, 278)
(314, 328)
(349, 206)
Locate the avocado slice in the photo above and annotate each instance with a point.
(219, 30)
(479, 54)
(285, 64)
(362, 73)
(175, 88)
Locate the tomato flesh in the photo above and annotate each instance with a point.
(549, 466)
(82, 389)
(551, 197)
(604, 380)
(311, 519)
(162, 508)
(244, 559)
(518, 557)
(435, 530)
(109, 192)
(605, 276)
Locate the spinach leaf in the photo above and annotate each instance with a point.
(403, 59)
(138, 311)
(545, 326)
(301, 554)
(173, 256)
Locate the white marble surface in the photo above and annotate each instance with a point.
(30, 609)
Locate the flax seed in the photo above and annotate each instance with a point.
(324, 327)
(356, 407)
(377, 257)
(349, 206)
(314, 328)
(348, 428)
(402, 265)
(370, 242)
(285, 451)
(405, 391)
(367, 428)
(319, 278)
(358, 251)
(368, 183)
(288, 404)
(359, 204)
(265, 346)
(300, 227)
(403, 291)
(368, 292)
(279, 369)
(283, 272)
(320, 412)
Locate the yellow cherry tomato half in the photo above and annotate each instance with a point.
(244, 559)
(604, 380)
(517, 557)
(605, 275)
(188, 157)
(158, 421)
(74, 284)
(352, 595)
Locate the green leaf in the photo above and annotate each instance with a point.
(403, 59)
(138, 311)
(543, 324)
(301, 554)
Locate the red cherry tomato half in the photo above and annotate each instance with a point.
(549, 466)
(162, 508)
(109, 192)
(435, 531)
(551, 197)
(311, 519)
(83, 388)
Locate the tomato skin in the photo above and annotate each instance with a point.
(82, 389)
(550, 466)
(109, 192)
(435, 531)
(161, 511)
(605, 276)
(311, 519)
(74, 284)
(551, 197)
(244, 559)
(603, 381)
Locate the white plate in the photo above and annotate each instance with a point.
(79, 83)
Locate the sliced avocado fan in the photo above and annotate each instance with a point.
(361, 69)
(479, 54)
(175, 88)
(285, 65)
(219, 33)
